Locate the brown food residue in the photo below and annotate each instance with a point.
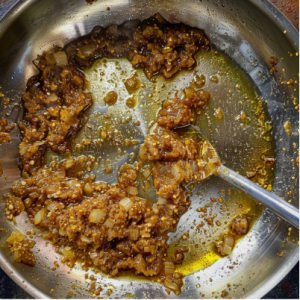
(5, 127)
(21, 246)
(111, 98)
(107, 225)
(273, 62)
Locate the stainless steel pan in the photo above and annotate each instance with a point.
(250, 32)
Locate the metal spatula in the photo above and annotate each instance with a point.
(282, 208)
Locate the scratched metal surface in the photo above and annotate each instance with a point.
(249, 36)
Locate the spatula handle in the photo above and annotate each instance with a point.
(282, 208)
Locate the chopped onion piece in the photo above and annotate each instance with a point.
(60, 174)
(72, 183)
(204, 148)
(229, 240)
(151, 249)
(132, 190)
(52, 97)
(170, 284)
(68, 252)
(181, 94)
(215, 160)
(209, 168)
(162, 201)
(36, 144)
(167, 50)
(88, 189)
(16, 236)
(60, 58)
(194, 166)
(146, 173)
(62, 232)
(147, 185)
(24, 147)
(134, 234)
(51, 206)
(143, 155)
(85, 239)
(243, 223)
(97, 215)
(111, 234)
(126, 203)
(169, 268)
(70, 163)
(171, 206)
(226, 249)
(39, 216)
(155, 209)
(171, 72)
(87, 50)
(176, 172)
(109, 223)
(93, 255)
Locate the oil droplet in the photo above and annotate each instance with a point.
(199, 81)
(131, 102)
(219, 113)
(214, 78)
(132, 84)
(111, 98)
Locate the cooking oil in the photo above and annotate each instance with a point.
(235, 122)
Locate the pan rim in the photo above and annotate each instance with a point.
(14, 8)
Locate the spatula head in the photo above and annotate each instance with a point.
(208, 160)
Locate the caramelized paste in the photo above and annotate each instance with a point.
(5, 128)
(100, 224)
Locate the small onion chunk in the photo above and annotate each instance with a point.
(132, 190)
(16, 236)
(147, 173)
(176, 172)
(51, 206)
(126, 203)
(60, 174)
(87, 50)
(226, 249)
(209, 168)
(169, 268)
(170, 284)
(88, 189)
(194, 166)
(39, 216)
(52, 97)
(93, 255)
(143, 155)
(162, 201)
(226, 246)
(134, 234)
(97, 216)
(229, 240)
(62, 232)
(60, 58)
(109, 223)
(68, 252)
(70, 163)
(85, 239)
(147, 185)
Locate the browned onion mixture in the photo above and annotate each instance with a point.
(5, 127)
(104, 225)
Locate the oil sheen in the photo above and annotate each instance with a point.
(235, 122)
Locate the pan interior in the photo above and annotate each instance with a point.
(244, 80)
